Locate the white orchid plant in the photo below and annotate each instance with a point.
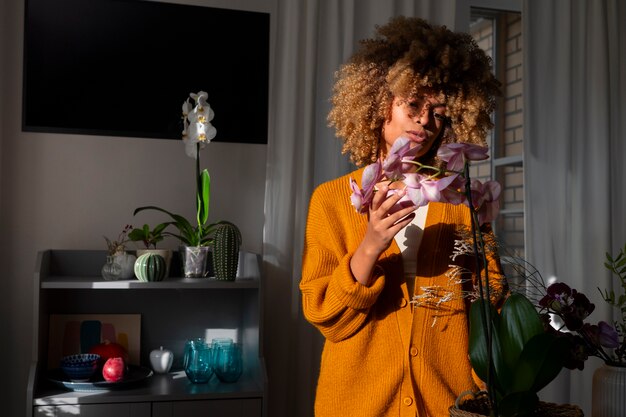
(197, 132)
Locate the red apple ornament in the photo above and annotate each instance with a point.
(114, 369)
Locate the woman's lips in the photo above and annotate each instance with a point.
(418, 137)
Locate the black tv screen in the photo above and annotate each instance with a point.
(124, 68)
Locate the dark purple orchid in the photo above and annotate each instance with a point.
(570, 305)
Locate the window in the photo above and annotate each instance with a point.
(499, 34)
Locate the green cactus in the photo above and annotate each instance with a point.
(226, 243)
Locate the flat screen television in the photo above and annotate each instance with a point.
(124, 68)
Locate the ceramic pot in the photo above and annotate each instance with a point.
(150, 267)
(165, 253)
(608, 388)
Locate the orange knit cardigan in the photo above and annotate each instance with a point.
(383, 355)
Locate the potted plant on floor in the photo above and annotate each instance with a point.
(509, 347)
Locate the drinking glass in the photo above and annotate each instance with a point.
(198, 361)
(228, 361)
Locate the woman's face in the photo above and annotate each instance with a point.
(420, 119)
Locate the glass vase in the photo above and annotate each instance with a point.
(112, 271)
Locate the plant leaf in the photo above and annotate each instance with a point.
(540, 362)
(204, 195)
(478, 345)
(519, 323)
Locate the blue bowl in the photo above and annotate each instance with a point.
(80, 367)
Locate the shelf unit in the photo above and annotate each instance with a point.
(172, 311)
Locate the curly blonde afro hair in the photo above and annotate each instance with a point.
(408, 57)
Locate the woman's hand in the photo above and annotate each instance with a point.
(384, 223)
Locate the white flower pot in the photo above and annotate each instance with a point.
(609, 391)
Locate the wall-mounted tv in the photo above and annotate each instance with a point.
(124, 68)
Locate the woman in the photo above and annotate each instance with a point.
(385, 355)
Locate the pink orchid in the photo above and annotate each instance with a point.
(423, 189)
(362, 197)
(485, 200)
(393, 166)
(455, 192)
(456, 154)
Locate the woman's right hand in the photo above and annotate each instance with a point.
(384, 223)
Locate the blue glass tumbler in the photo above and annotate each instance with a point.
(227, 360)
(198, 361)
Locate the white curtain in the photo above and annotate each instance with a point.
(313, 38)
(575, 135)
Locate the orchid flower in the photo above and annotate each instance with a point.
(197, 128)
(362, 198)
(456, 154)
(485, 200)
(422, 189)
(394, 165)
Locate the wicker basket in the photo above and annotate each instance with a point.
(478, 406)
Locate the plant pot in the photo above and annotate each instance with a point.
(118, 266)
(478, 406)
(195, 261)
(609, 385)
(165, 253)
(150, 267)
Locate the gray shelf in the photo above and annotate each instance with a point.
(172, 311)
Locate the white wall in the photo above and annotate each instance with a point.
(67, 191)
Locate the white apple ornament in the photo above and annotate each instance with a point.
(161, 360)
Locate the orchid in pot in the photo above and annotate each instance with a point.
(509, 347)
(194, 235)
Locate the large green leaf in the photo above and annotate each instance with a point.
(519, 323)
(478, 341)
(540, 362)
(204, 195)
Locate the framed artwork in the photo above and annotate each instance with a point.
(77, 333)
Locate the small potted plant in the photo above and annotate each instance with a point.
(150, 237)
(119, 264)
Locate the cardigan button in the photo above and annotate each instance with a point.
(407, 401)
(413, 351)
(403, 302)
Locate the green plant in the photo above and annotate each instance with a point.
(196, 133)
(525, 357)
(149, 237)
(510, 349)
(118, 245)
(617, 265)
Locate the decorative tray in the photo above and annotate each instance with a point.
(134, 376)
